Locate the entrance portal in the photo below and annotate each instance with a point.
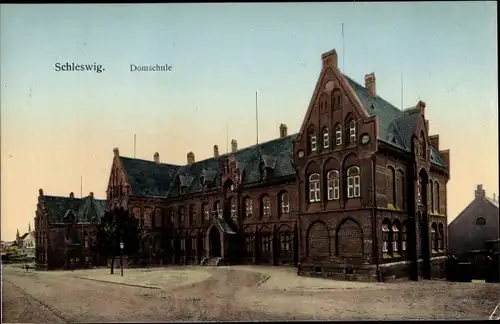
(215, 243)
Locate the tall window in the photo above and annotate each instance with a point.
(206, 212)
(333, 184)
(193, 244)
(286, 242)
(434, 237)
(183, 244)
(395, 236)
(218, 209)
(352, 131)
(326, 138)
(393, 184)
(314, 143)
(436, 189)
(284, 204)
(314, 188)
(353, 182)
(404, 238)
(385, 235)
(419, 190)
(248, 207)
(192, 214)
(172, 216)
(249, 244)
(181, 214)
(441, 236)
(431, 192)
(338, 135)
(234, 210)
(266, 206)
(86, 240)
(266, 243)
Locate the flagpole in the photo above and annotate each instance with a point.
(81, 186)
(134, 144)
(256, 117)
(343, 50)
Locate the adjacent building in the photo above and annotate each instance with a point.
(358, 192)
(65, 228)
(476, 227)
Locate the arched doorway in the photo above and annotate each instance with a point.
(215, 243)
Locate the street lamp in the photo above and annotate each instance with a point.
(121, 257)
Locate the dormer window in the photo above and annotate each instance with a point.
(352, 132)
(338, 135)
(326, 138)
(314, 144)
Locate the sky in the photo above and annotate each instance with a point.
(57, 127)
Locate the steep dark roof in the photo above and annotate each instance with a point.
(395, 126)
(86, 209)
(151, 179)
(24, 236)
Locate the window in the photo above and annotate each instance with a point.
(353, 182)
(218, 209)
(434, 237)
(441, 236)
(284, 204)
(395, 236)
(193, 244)
(393, 184)
(481, 221)
(86, 240)
(419, 190)
(234, 210)
(436, 194)
(333, 185)
(249, 244)
(336, 99)
(352, 131)
(431, 193)
(266, 206)
(266, 243)
(326, 138)
(385, 236)
(171, 216)
(285, 242)
(314, 144)
(183, 244)
(206, 212)
(192, 214)
(338, 135)
(181, 215)
(314, 188)
(404, 237)
(248, 207)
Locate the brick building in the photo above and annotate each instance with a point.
(359, 191)
(64, 230)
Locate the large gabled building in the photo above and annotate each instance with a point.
(359, 191)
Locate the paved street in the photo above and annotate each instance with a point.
(230, 293)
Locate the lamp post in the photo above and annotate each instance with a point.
(121, 258)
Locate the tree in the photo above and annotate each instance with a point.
(117, 226)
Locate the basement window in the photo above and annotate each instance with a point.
(317, 269)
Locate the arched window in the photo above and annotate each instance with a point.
(333, 184)
(386, 239)
(396, 236)
(431, 193)
(434, 237)
(404, 238)
(352, 132)
(353, 182)
(234, 210)
(218, 209)
(249, 244)
(266, 206)
(314, 188)
(313, 142)
(441, 236)
(206, 211)
(437, 208)
(284, 204)
(338, 135)
(336, 99)
(326, 138)
(248, 207)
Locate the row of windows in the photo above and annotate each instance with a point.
(394, 236)
(433, 194)
(266, 243)
(353, 187)
(339, 134)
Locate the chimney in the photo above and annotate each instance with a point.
(71, 195)
(216, 151)
(234, 146)
(40, 192)
(116, 151)
(370, 84)
(329, 58)
(190, 158)
(156, 158)
(480, 192)
(283, 131)
(91, 194)
(434, 141)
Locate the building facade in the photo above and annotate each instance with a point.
(65, 228)
(358, 192)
